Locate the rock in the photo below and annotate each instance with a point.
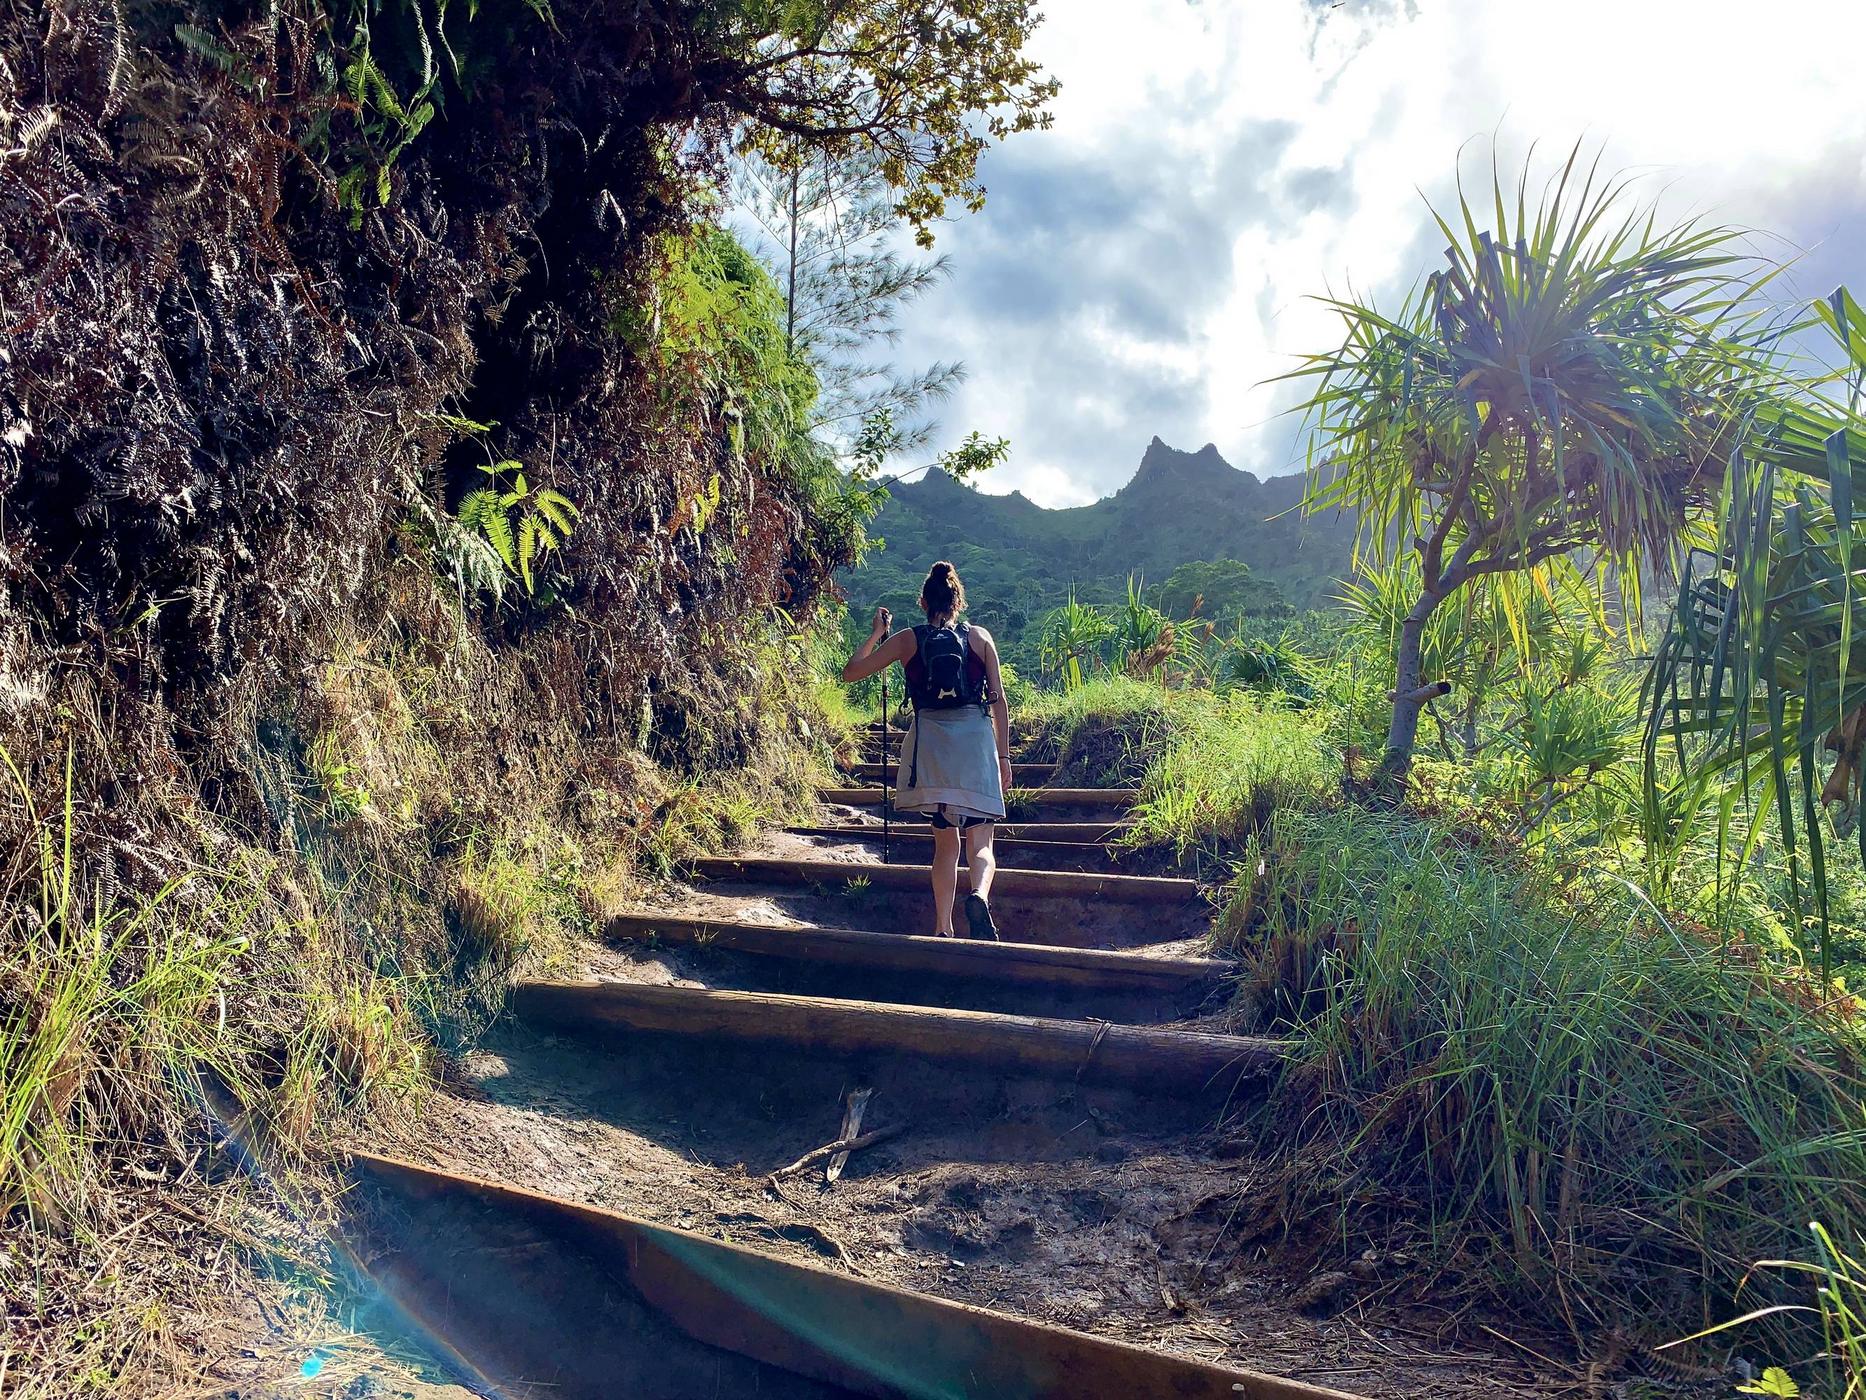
(1321, 1292)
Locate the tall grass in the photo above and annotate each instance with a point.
(103, 1008)
(123, 1018)
(1230, 764)
(1617, 1114)
(1104, 732)
(1839, 1281)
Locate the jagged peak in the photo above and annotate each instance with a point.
(1162, 461)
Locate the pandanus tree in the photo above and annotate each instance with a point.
(1763, 671)
(1554, 400)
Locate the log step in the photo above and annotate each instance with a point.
(539, 1295)
(1013, 851)
(1034, 964)
(1058, 908)
(1022, 774)
(1047, 799)
(1059, 884)
(1094, 833)
(1075, 833)
(1098, 1052)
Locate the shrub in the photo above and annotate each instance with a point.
(1619, 1112)
(1103, 733)
(1230, 763)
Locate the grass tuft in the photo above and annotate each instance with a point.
(1229, 765)
(1616, 1114)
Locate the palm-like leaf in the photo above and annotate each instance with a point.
(1564, 384)
(1072, 639)
(1759, 671)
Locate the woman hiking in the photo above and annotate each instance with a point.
(955, 761)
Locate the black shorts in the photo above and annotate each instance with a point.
(942, 822)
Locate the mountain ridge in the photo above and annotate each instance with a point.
(1020, 559)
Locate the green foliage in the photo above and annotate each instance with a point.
(1072, 643)
(1571, 733)
(921, 87)
(1142, 639)
(1103, 733)
(1565, 383)
(1760, 670)
(1229, 764)
(1536, 1057)
(1221, 591)
(523, 524)
(1263, 665)
(389, 69)
(1839, 1283)
(826, 227)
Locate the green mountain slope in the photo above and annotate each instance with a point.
(1019, 559)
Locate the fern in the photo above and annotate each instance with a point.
(520, 523)
(204, 45)
(555, 507)
(485, 510)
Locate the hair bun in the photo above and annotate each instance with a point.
(942, 570)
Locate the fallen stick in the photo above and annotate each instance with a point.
(852, 1112)
(830, 1149)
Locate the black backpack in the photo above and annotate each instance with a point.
(945, 680)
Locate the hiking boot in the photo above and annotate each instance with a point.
(978, 915)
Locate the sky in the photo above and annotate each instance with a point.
(1148, 263)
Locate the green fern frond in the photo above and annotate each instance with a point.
(204, 45)
(453, 422)
(482, 510)
(557, 508)
(527, 549)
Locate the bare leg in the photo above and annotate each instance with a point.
(945, 877)
(981, 858)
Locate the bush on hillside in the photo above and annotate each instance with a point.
(1607, 1110)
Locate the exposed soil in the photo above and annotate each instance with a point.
(1156, 1223)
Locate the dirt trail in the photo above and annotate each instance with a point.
(1124, 1214)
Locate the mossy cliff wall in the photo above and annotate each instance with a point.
(303, 753)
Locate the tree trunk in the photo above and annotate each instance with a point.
(790, 276)
(1408, 699)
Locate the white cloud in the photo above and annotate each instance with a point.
(1146, 263)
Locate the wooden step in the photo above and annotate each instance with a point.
(1060, 884)
(916, 842)
(1033, 964)
(1052, 907)
(1093, 832)
(1024, 775)
(1047, 804)
(536, 1295)
(1097, 1052)
(1055, 797)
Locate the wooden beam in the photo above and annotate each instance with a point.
(1096, 832)
(1093, 832)
(1033, 963)
(1012, 851)
(1060, 884)
(1041, 797)
(1024, 775)
(1157, 1058)
(541, 1295)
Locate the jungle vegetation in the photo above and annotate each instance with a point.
(416, 516)
(1545, 844)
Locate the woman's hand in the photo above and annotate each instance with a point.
(883, 621)
(1004, 773)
